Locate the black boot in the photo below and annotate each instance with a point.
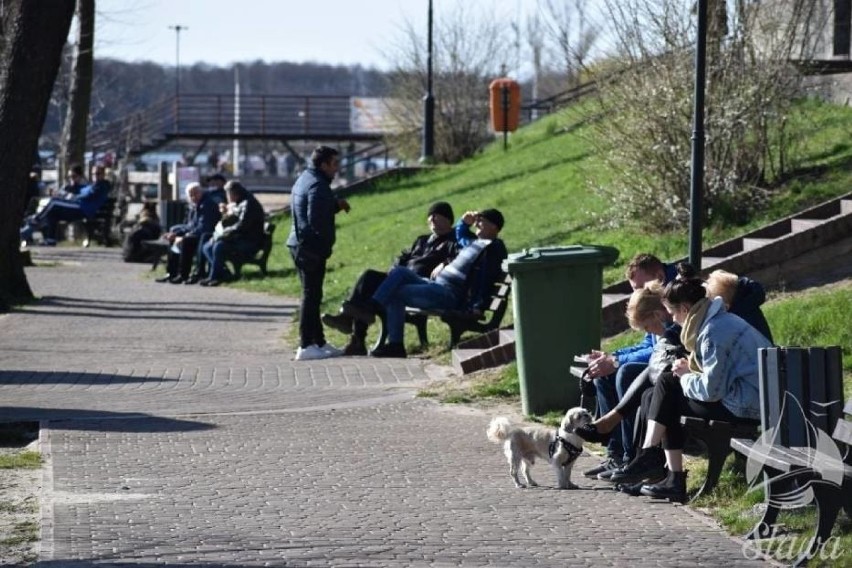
(355, 347)
(341, 322)
(648, 464)
(392, 350)
(673, 488)
(590, 433)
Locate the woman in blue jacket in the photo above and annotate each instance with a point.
(717, 382)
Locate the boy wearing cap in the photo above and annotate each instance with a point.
(427, 252)
(464, 283)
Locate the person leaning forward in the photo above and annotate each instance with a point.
(311, 241)
(426, 252)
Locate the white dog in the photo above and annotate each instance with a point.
(522, 445)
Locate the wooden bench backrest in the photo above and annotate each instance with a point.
(792, 376)
(500, 298)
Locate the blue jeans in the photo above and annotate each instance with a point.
(403, 287)
(610, 390)
(217, 252)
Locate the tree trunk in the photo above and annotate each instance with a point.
(80, 92)
(33, 33)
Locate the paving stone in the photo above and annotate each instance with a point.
(180, 433)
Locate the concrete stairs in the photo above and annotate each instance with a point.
(817, 240)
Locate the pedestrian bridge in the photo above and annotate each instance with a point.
(247, 117)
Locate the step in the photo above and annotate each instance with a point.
(797, 225)
(507, 336)
(467, 361)
(614, 298)
(708, 261)
(845, 206)
(750, 243)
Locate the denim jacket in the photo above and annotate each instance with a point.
(727, 351)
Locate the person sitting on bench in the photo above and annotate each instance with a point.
(83, 205)
(426, 252)
(742, 296)
(185, 238)
(464, 283)
(613, 373)
(241, 236)
(719, 381)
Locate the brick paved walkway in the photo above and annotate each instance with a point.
(180, 433)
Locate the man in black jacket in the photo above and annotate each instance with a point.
(241, 234)
(313, 207)
(427, 252)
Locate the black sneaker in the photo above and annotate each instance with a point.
(359, 312)
(590, 433)
(648, 464)
(390, 350)
(605, 465)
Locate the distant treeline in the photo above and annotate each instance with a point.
(120, 88)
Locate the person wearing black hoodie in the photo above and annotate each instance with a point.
(742, 296)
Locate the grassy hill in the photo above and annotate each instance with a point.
(542, 185)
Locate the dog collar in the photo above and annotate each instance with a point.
(573, 451)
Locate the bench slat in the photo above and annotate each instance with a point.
(843, 432)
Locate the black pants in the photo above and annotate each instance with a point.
(631, 400)
(181, 264)
(310, 326)
(668, 404)
(362, 293)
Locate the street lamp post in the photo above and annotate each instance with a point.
(697, 181)
(428, 101)
(177, 28)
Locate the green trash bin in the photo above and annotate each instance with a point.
(556, 295)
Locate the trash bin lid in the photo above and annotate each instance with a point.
(549, 257)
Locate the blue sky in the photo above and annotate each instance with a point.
(221, 32)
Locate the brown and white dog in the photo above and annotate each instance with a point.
(523, 444)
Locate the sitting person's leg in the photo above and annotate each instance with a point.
(625, 377)
(188, 252)
(362, 292)
(214, 250)
(419, 293)
(200, 259)
(607, 398)
(58, 210)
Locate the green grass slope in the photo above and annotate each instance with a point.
(542, 185)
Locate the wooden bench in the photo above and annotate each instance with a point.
(801, 398)
(100, 226)
(459, 321)
(261, 257)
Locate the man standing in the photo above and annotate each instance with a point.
(313, 207)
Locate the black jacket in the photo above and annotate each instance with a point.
(427, 252)
(313, 206)
(746, 304)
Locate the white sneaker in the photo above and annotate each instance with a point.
(331, 351)
(309, 353)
